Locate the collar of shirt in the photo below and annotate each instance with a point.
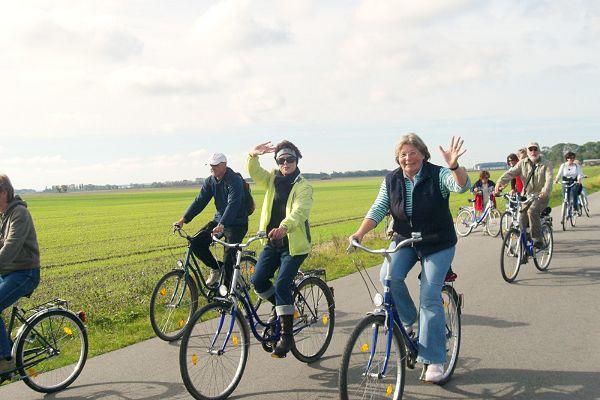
(417, 177)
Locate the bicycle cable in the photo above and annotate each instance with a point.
(358, 268)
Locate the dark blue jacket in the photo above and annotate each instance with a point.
(229, 199)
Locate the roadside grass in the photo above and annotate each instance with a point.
(104, 252)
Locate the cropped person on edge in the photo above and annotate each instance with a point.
(536, 173)
(231, 219)
(483, 189)
(570, 172)
(19, 259)
(284, 216)
(417, 194)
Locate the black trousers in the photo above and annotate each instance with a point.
(202, 239)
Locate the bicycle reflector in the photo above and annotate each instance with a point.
(378, 300)
(180, 263)
(223, 290)
(82, 317)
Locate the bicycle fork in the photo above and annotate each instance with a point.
(220, 351)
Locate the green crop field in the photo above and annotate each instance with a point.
(104, 252)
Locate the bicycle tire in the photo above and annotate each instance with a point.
(196, 345)
(573, 219)
(59, 337)
(169, 320)
(512, 249)
(505, 223)
(583, 201)
(464, 223)
(316, 322)
(492, 225)
(547, 252)
(452, 314)
(354, 383)
(563, 216)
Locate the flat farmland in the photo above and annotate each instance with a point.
(105, 251)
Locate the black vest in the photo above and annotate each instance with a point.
(430, 210)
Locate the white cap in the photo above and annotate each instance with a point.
(217, 158)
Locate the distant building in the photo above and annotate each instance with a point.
(591, 162)
(489, 166)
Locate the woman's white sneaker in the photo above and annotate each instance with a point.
(434, 373)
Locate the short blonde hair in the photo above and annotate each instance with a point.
(6, 186)
(414, 140)
(522, 153)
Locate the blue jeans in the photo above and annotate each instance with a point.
(432, 324)
(13, 286)
(269, 260)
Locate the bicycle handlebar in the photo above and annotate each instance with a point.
(416, 237)
(259, 235)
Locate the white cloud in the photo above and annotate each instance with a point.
(408, 11)
(258, 101)
(239, 24)
(163, 81)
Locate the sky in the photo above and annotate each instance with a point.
(117, 92)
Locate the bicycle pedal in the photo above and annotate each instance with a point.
(276, 356)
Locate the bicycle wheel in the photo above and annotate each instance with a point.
(505, 222)
(543, 256)
(463, 223)
(363, 358)
(492, 225)
(212, 359)
(583, 201)
(173, 302)
(314, 321)
(563, 216)
(573, 216)
(52, 350)
(511, 255)
(450, 300)
(247, 265)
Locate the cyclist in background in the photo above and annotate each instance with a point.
(417, 194)
(19, 259)
(516, 184)
(482, 189)
(571, 172)
(536, 173)
(231, 218)
(284, 216)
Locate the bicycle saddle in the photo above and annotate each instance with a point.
(546, 211)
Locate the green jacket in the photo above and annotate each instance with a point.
(297, 209)
(18, 242)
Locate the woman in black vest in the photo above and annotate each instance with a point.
(417, 195)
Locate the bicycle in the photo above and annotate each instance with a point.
(175, 297)
(517, 246)
(379, 349)
(568, 211)
(467, 220)
(214, 348)
(509, 215)
(50, 347)
(583, 201)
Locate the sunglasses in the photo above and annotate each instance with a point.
(288, 160)
(533, 149)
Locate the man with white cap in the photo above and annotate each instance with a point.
(231, 218)
(536, 174)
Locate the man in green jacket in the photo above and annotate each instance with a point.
(19, 259)
(284, 217)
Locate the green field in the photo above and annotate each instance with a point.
(104, 252)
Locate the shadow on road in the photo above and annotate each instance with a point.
(481, 320)
(124, 390)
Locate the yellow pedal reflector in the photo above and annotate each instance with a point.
(194, 359)
(181, 323)
(389, 391)
(235, 340)
(32, 373)
(163, 292)
(325, 319)
(445, 303)
(68, 331)
(296, 314)
(364, 348)
(251, 270)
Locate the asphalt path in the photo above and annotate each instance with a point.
(538, 338)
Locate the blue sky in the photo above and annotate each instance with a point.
(138, 91)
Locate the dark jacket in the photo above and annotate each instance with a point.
(19, 248)
(229, 199)
(430, 210)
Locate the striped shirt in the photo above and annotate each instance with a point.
(381, 206)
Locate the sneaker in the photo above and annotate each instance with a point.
(213, 278)
(7, 365)
(434, 373)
